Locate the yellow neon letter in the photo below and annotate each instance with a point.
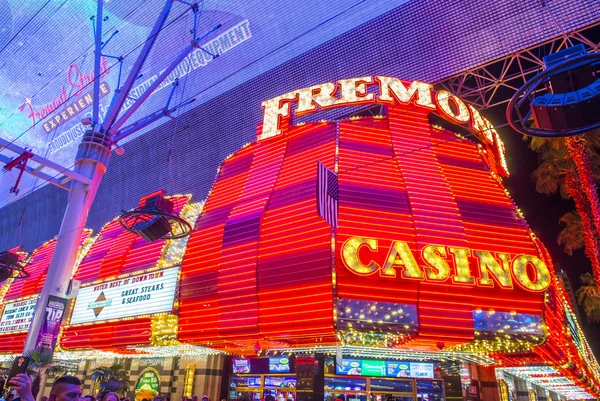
(309, 98)
(461, 262)
(389, 85)
(350, 255)
(542, 279)
(488, 264)
(407, 260)
(355, 90)
(436, 268)
(273, 110)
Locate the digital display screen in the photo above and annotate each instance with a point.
(424, 370)
(376, 368)
(17, 315)
(279, 365)
(351, 367)
(248, 381)
(241, 365)
(373, 368)
(397, 369)
(280, 382)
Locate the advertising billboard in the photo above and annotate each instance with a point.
(279, 365)
(382, 368)
(141, 294)
(17, 315)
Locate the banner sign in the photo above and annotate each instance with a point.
(148, 385)
(55, 310)
(142, 294)
(17, 315)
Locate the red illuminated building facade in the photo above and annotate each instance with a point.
(429, 285)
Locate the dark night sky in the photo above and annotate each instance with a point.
(542, 211)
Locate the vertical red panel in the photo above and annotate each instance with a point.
(117, 251)
(489, 217)
(37, 267)
(373, 203)
(294, 265)
(199, 301)
(238, 284)
(437, 220)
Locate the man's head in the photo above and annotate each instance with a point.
(66, 388)
(10, 396)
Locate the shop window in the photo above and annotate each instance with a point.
(430, 390)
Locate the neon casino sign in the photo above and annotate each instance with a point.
(440, 263)
(390, 91)
(496, 270)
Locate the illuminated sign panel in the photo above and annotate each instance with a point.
(241, 365)
(17, 315)
(499, 270)
(142, 294)
(279, 365)
(381, 368)
(391, 91)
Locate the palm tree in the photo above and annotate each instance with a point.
(111, 378)
(571, 166)
(588, 296)
(558, 172)
(571, 237)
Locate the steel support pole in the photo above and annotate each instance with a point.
(97, 62)
(92, 158)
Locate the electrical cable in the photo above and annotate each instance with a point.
(25, 25)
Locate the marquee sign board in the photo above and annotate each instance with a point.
(17, 315)
(142, 294)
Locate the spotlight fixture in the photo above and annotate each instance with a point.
(155, 220)
(10, 267)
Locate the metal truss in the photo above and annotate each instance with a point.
(495, 82)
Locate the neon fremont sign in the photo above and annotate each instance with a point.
(391, 91)
(495, 270)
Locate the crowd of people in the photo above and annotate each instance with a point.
(68, 388)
